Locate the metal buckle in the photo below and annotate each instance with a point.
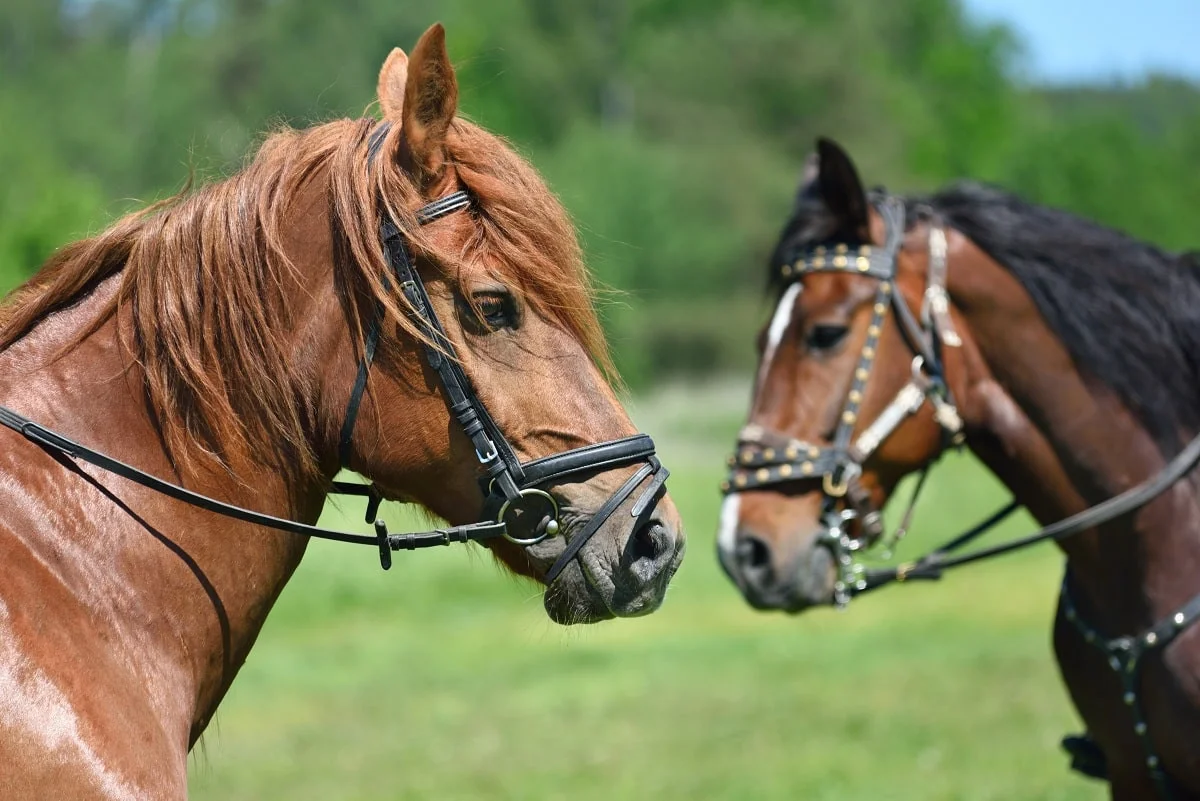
(835, 490)
(485, 459)
(552, 527)
(850, 471)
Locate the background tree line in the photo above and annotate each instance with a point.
(674, 130)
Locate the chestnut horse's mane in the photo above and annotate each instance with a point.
(218, 369)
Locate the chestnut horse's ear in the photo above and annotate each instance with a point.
(429, 104)
(841, 188)
(392, 79)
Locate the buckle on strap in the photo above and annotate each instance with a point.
(548, 526)
(489, 457)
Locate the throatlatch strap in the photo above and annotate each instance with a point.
(356, 393)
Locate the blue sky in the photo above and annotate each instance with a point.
(1101, 40)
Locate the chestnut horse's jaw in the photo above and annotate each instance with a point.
(623, 572)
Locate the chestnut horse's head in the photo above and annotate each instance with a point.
(403, 297)
(507, 283)
(849, 395)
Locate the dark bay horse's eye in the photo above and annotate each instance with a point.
(826, 337)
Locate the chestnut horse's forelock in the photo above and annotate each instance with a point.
(218, 371)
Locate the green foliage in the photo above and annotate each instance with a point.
(673, 129)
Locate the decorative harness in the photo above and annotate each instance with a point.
(517, 505)
(766, 459)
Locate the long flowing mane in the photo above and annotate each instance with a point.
(1126, 311)
(203, 280)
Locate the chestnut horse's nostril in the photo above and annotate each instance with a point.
(650, 556)
(648, 543)
(650, 550)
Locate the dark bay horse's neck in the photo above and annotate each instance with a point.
(1062, 443)
(182, 592)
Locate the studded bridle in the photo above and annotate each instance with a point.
(517, 506)
(766, 458)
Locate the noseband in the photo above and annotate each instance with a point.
(517, 505)
(767, 458)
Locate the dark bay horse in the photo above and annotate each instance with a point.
(1065, 355)
(403, 297)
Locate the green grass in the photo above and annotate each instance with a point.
(442, 679)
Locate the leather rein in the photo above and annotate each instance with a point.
(766, 458)
(517, 505)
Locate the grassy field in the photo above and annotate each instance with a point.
(442, 679)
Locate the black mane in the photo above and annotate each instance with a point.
(1126, 311)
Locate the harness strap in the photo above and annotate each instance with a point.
(935, 308)
(1125, 657)
(54, 442)
(429, 213)
(491, 448)
(593, 525)
(933, 564)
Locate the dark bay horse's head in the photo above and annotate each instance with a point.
(832, 360)
(507, 282)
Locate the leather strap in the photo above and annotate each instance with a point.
(590, 458)
(54, 442)
(503, 470)
(396, 254)
(593, 525)
(934, 564)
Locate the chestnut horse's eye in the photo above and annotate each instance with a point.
(826, 337)
(496, 311)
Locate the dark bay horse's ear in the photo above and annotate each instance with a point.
(841, 188)
(809, 190)
(421, 94)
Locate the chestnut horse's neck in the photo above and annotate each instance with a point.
(1062, 440)
(200, 585)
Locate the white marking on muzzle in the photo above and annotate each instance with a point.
(727, 533)
(780, 323)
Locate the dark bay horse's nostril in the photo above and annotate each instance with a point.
(753, 553)
(753, 557)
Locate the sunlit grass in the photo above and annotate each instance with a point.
(443, 679)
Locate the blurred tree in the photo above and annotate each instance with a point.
(673, 129)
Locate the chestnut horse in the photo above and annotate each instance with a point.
(217, 344)
(1066, 356)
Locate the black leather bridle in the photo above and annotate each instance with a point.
(517, 504)
(766, 458)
